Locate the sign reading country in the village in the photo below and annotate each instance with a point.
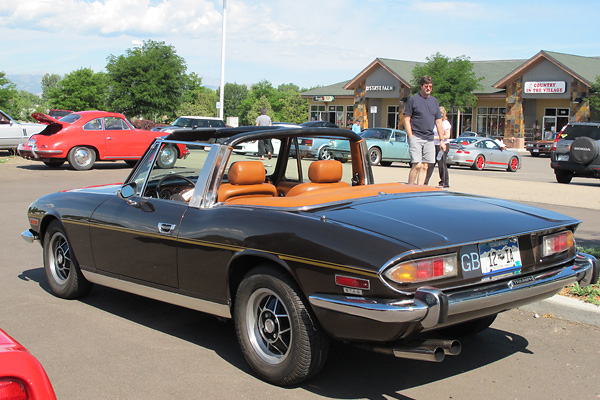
(546, 87)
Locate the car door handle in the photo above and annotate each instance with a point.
(109, 138)
(165, 228)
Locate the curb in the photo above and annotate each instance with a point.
(566, 308)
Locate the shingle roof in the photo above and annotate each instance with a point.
(493, 72)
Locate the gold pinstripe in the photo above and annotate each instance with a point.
(287, 257)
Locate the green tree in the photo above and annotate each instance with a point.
(79, 90)
(453, 80)
(205, 104)
(49, 82)
(23, 104)
(147, 81)
(234, 95)
(256, 107)
(7, 92)
(594, 100)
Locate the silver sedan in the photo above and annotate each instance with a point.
(480, 153)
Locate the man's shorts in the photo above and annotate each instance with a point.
(421, 150)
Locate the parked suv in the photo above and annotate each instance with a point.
(576, 152)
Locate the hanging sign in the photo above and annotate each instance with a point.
(545, 87)
(325, 99)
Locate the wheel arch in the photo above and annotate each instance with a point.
(99, 155)
(245, 261)
(45, 222)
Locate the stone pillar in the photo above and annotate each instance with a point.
(403, 95)
(580, 108)
(514, 128)
(360, 108)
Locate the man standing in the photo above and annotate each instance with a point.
(265, 146)
(421, 114)
(356, 127)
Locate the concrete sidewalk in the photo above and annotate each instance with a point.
(566, 308)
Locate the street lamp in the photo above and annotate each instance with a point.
(222, 94)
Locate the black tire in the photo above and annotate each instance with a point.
(479, 163)
(563, 176)
(279, 336)
(82, 158)
(167, 157)
(60, 265)
(374, 155)
(584, 150)
(324, 153)
(342, 160)
(468, 328)
(513, 164)
(386, 163)
(54, 163)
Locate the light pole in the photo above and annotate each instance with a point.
(222, 94)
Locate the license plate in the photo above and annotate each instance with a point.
(535, 150)
(500, 256)
(562, 157)
(31, 142)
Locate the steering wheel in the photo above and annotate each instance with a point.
(167, 177)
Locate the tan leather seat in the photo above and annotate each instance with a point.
(247, 179)
(326, 174)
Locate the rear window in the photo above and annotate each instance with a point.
(572, 132)
(70, 118)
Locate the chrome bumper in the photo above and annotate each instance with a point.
(431, 307)
(29, 236)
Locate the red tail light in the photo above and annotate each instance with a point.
(12, 390)
(352, 282)
(462, 152)
(308, 142)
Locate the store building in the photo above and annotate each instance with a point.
(521, 99)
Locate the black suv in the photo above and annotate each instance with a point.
(576, 152)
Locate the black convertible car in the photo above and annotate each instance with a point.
(298, 253)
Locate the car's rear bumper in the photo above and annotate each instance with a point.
(33, 153)
(591, 170)
(432, 308)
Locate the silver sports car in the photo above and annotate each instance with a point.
(481, 152)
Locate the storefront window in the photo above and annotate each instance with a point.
(554, 120)
(392, 117)
(491, 121)
(317, 113)
(349, 116)
(466, 120)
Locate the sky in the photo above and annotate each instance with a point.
(305, 42)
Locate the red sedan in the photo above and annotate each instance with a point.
(84, 137)
(21, 374)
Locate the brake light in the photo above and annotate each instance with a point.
(557, 243)
(462, 152)
(424, 269)
(308, 142)
(12, 390)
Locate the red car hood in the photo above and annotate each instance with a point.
(45, 119)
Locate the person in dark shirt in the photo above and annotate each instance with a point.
(421, 114)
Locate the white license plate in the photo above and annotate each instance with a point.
(562, 157)
(500, 256)
(536, 150)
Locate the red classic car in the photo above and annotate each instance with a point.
(82, 138)
(21, 374)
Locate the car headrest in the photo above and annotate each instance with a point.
(246, 173)
(325, 171)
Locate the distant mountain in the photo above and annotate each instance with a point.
(27, 82)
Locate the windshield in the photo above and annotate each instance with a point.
(381, 134)
(186, 122)
(572, 132)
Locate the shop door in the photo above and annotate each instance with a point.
(549, 126)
